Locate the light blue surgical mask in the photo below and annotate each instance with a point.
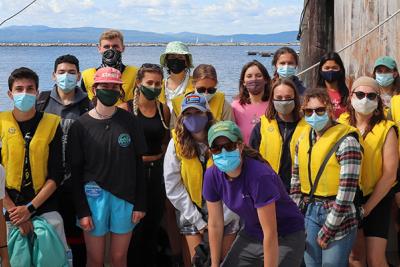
(384, 79)
(23, 101)
(227, 161)
(286, 71)
(67, 82)
(317, 122)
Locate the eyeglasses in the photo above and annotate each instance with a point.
(360, 95)
(216, 149)
(210, 90)
(309, 111)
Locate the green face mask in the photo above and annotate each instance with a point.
(150, 93)
(107, 97)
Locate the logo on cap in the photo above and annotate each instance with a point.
(192, 99)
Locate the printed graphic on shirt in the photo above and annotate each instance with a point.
(124, 140)
(93, 190)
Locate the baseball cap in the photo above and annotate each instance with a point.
(386, 61)
(228, 129)
(107, 75)
(194, 100)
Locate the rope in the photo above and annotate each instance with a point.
(7, 19)
(355, 41)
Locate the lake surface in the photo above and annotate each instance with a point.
(228, 61)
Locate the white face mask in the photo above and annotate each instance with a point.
(364, 106)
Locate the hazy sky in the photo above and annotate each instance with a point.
(200, 16)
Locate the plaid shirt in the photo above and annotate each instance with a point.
(341, 218)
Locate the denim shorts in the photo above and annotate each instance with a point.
(109, 213)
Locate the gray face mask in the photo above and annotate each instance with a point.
(284, 106)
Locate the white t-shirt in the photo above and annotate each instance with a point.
(2, 181)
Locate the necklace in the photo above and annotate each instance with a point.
(101, 116)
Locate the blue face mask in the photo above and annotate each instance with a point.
(384, 79)
(286, 71)
(66, 81)
(24, 102)
(317, 122)
(227, 161)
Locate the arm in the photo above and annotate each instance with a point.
(3, 239)
(176, 191)
(215, 231)
(173, 120)
(255, 137)
(167, 119)
(267, 217)
(295, 186)
(390, 158)
(227, 114)
(349, 157)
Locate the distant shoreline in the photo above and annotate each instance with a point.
(49, 44)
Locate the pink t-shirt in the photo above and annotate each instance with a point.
(335, 100)
(247, 116)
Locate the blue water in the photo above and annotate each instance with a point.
(228, 62)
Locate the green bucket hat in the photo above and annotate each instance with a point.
(386, 61)
(229, 129)
(178, 48)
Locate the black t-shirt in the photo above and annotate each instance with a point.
(54, 167)
(108, 152)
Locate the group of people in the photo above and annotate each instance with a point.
(283, 176)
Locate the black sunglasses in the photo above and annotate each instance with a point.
(230, 146)
(151, 66)
(309, 111)
(360, 95)
(202, 90)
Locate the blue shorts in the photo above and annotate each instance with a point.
(109, 213)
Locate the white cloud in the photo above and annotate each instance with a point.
(283, 11)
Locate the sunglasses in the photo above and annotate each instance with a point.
(309, 111)
(151, 66)
(216, 149)
(360, 95)
(202, 90)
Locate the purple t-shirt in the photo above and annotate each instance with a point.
(257, 186)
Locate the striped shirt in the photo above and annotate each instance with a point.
(341, 218)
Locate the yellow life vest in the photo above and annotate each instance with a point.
(128, 78)
(189, 88)
(272, 142)
(191, 173)
(395, 109)
(216, 105)
(328, 184)
(372, 144)
(13, 149)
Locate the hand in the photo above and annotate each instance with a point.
(86, 223)
(19, 214)
(25, 228)
(137, 216)
(366, 211)
(321, 243)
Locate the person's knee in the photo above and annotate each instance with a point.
(375, 260)
(94, 260)
(118, 258)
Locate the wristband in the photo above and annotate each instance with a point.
(31, 208)
(3, 246)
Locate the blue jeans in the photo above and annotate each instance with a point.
(338, 251)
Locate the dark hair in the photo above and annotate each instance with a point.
(270, 113)
(278, 53)
(343, 89)
(243, 96)
(66, 59)
(149, 67)
(254, 154)
(22, 73)
(377, 116)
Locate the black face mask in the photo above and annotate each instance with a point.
(176, 65)
(331, 75)
(112, 58)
